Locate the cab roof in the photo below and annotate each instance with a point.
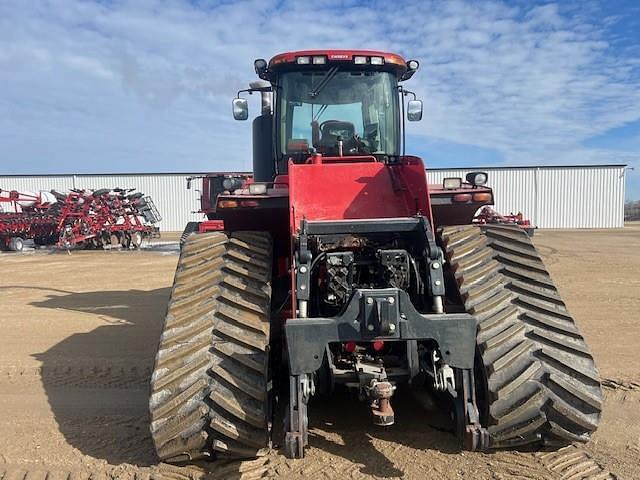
(390, 61)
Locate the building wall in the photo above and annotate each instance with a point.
(551, 197)
(556, 197)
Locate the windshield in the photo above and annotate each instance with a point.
(321, 108)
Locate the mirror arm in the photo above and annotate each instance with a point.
(406, 92)
(251, 91)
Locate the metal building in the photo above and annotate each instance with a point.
(584, 196)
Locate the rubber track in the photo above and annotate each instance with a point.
(209, 387)
(189, 229)
(541, 381)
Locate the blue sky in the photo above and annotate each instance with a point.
(145, 85)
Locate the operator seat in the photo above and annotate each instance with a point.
(330, 130)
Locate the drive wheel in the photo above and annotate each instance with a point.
(538, 383)
(209, 388)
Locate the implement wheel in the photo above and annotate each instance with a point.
(537, 381)
(16, 244)
(209, 388)
(136, 240)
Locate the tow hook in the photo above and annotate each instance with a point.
(376, 389)
(380, 394)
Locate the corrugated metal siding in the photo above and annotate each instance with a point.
(551, 197)
(556, 197)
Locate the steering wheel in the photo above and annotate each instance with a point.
(354, 142)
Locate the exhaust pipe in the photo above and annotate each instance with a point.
(265, 96)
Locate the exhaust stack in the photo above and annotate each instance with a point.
(265, 96)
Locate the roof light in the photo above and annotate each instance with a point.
(413, 65)
(358, 60)
(257, 188)
(321, 60)
(303, 60)
(232, 183)
(452, 183)
(260, 65)
(377, 61)
(477, 178)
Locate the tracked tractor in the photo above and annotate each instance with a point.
(334, 265)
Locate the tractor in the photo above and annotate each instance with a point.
(335, 265)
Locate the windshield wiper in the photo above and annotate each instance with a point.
(330, 74)
(317, 116)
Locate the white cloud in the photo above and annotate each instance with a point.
(152, 80)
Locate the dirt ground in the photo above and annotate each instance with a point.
(77, 339)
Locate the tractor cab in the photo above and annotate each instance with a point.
(331, 103)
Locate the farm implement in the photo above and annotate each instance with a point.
(77, 219)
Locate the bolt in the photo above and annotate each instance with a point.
(437, 282)
(303, 269)
(369, 300)
(392, 327)
(303, 287)
(391, 300)
(370, 327)
(435, 265)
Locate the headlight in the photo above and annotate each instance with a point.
(232, 183)
(452, 183)
(258, 188)
(477, 178)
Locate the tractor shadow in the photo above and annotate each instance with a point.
(420, 425)
(96, 382)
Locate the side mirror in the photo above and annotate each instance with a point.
(188, 184)
(240, 109)
(414, 110)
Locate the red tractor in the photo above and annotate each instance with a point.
(335, 265)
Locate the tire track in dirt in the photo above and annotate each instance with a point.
(621, 385)
(568, 463)
(99, 376)
(248, 470)
(574, 463)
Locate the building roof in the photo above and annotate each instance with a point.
(191, 173)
